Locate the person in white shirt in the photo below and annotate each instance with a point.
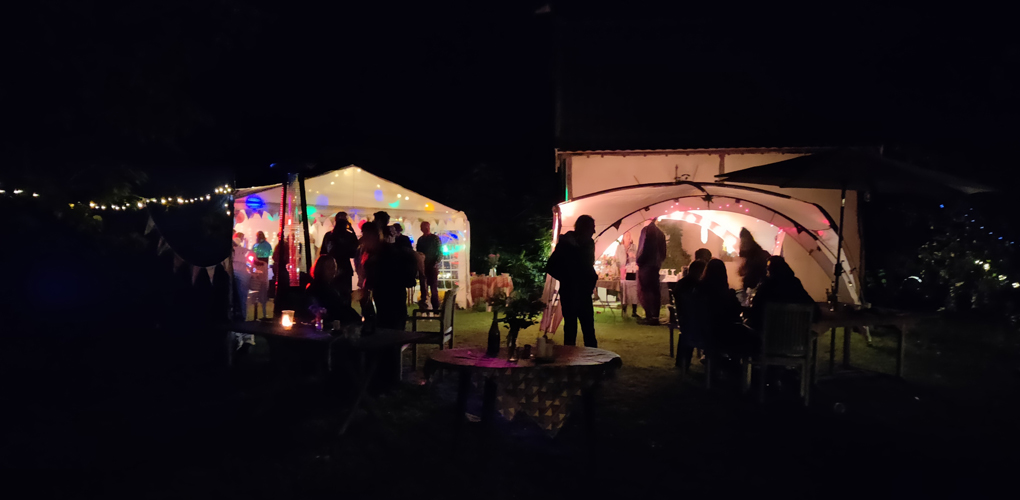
(626, 259)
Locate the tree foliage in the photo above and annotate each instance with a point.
(960, 258)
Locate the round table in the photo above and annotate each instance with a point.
(545, 392)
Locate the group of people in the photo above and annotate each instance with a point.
(387, 265)
(711, 316)
(256, 278)
(385, 261)
(572, 263)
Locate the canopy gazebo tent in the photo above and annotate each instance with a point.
(854, 170)
(623, 189)
(775, 220)
(359, 193)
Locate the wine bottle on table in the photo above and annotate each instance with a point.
(493, 344)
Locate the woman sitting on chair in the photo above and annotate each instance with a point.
(322, 293)
(717, 309)
(691, 337)
(780, 286)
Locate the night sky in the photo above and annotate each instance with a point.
(449, 98)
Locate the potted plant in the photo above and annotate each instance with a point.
(520, 311)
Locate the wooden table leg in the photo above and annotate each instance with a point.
(588, 399)
(832, 351)
(363, 380)
(814, 360)
(846, 346)
(489, 401)
(901, 347)
(463, 390)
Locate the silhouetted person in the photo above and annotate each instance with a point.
(651, 253)
(626, 260)
(368, 250)
(322, 293)
(382, 221)
(242, 278)
(690, 337)
(281, 257)
(260, 278)
(391, 271)
(755, 260)
(573, 264)
(342, 244)
(718, 311)
(402, 239)
(430, 246)
(703, 254)
(779, 287)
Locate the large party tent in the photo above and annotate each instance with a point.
(624, 189)
(359, 193)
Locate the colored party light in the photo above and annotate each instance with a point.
(255, 202)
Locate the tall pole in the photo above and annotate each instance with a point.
(304, 222)
(838, 271)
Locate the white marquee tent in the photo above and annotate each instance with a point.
(623, 189)
(359, 193)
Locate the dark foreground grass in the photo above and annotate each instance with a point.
(144, 432)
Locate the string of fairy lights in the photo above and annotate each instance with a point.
(137, 204)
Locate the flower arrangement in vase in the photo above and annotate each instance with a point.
(493, 262)
(520, 311)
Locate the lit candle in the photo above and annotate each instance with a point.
(287, 320)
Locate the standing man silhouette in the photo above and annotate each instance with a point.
(573, 264)
(651, 253)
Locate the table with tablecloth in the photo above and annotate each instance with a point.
(484, 288)
(546, 393)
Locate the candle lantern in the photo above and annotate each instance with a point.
(287, 320)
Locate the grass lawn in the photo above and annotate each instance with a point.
(942, 431)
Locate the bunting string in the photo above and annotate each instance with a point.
(179, 262)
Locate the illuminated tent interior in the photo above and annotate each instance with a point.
(359, 193)
(800, 231)
(624, 189)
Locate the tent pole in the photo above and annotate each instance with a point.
(281, 265)
(838, 271)
(304, 223)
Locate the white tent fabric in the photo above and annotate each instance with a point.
(361, 194)
(715, 206)
(605, 172)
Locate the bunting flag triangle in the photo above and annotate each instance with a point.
(211, 271)
(248, 212)
(149, 226)
(178, 262)
(162, 247)
(616, 224)
(194, 274)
